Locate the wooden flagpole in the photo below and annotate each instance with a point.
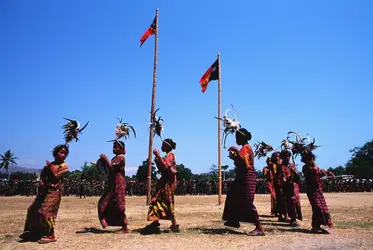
(219, 132)
(148, 198)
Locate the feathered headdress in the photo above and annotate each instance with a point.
(72, 130)
(123, 130)
(262, 149)
(157, 125)
(300, 146)
(285, 145)
(230, 125)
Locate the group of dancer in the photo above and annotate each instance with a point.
(281, 175)
(283, 183)
(42, 213)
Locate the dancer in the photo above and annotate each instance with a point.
(42, 214)
(239, 204)
(320, 210)
(290, 178)
(268, 175)
(261, 150)
(112, 204)
(278, 185)
(162, 205)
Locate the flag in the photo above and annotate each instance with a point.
(211, 74)
(150, 31)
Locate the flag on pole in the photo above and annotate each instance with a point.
(150, 31)
(211, 74)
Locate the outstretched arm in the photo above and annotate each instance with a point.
(326, 173)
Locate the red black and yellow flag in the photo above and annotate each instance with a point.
(150, 31)
(211, 74)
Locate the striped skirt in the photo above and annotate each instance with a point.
(239, 204)
(320, 211)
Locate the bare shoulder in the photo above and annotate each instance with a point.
(121, 157)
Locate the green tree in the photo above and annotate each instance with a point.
(128, 178)
(183, 172)
(85, 171)
(7, 158)
(224, 169)
(22, 176)
(201, 177)
(90, 172)
(213, 172)
(230, 174)
(338, 170)
(142, 172)
(361, 163)
(74, 175)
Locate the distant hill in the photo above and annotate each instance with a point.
(20, 169)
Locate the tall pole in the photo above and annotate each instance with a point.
(148, 198)
(219, 132)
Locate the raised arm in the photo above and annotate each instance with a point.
(326, 173)
(166, 163)
(245, 155)
(104, 157)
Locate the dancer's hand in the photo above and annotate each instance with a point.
(156, 152)
(48, 163)
(104, 157)
(232, 154)
(233, 148)
(331, 174)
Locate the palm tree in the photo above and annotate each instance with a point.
(7, 158)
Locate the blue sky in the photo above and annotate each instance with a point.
(304, 66)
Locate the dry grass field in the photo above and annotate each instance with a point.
(77, 226)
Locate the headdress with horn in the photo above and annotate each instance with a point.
(262, 149)
(157, 125)
(72, 130)
(230, 125)
(285, 145)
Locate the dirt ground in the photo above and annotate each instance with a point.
(77, 225)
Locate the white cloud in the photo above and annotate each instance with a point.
(131, 170)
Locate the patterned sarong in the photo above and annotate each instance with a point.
(162, 204)
(42, 214)
(320, 211)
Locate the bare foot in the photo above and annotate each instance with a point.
(47, 239)
(123, 231)
(256, 232)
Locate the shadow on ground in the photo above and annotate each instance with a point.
(94, 230)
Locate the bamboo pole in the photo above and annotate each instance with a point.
(219, 131)
(152, 110)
